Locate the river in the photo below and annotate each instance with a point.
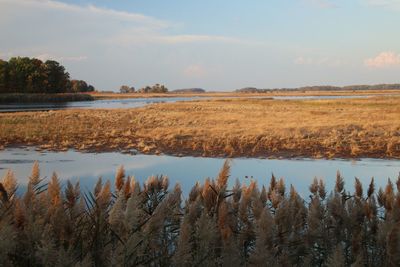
(87, 167)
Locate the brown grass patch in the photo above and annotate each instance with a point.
(234, 127)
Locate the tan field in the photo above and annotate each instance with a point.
(220, 127)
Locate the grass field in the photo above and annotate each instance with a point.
(220, 127)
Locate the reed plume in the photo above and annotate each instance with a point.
(56, 224)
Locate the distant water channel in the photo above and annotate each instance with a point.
(137, 102)
(87, 167)
(96, 104)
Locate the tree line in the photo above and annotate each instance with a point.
(31, 75)
(155, 89)
(149, 225)
(394, 86)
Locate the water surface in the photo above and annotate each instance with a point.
(87, 167)
(104, 103)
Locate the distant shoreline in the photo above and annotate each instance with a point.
(109, 95)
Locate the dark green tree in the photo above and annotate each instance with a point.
(80, 86)
(57, 77)
(31, 75)
(4, 79)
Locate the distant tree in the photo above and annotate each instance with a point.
(57, 77)
(157, 88)
(78, 86)
(4, 76)
(36, 78)
(31, 75)
(21, 77)
(125, 89)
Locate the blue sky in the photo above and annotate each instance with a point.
(216, 45)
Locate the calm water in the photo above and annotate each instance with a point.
(106, 103)
(87, 167)
(136, 102)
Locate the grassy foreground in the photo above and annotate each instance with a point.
(149, 225)
(224, 127)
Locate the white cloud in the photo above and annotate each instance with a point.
(88, 10)
(384, 59)
(149, 37)
(106, 46)
(106, 25)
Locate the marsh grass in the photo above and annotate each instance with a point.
(345, 128)
(150, 225)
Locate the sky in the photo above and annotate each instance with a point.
(217, 45)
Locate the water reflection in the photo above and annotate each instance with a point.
(87, 167)
(106, 103)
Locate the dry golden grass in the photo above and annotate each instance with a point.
(220, 127)
(154, 224)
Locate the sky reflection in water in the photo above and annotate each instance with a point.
(87, 167)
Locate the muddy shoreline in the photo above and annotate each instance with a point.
(153, 150)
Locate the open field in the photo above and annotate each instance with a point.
(235, 94)
(220, 127)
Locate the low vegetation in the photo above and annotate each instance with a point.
(189, 91)
(221, 127)
(149, 225)
(323, 88)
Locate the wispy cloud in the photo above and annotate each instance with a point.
(136, 29)
(149, 37)
(90, 10)
(383, 60)
(80, 36)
